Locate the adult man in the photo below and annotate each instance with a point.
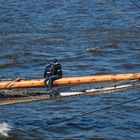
(56, 73)
(57, 69)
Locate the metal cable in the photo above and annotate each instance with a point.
(87, 113)
(134, 3)
(131, 20)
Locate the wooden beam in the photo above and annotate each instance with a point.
(31, 83)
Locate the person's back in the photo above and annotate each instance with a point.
(57, 69)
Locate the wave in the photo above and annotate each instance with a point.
(4, 129)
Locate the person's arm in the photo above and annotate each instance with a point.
(53, 70)
(45, 72)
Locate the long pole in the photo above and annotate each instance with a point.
(32, 83)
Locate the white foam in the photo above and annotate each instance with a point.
(4, 129)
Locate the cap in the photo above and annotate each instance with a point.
(55, 60)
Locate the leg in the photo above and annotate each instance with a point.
(52, 92)
(51, 79)
(45, 81)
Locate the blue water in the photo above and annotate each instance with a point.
(87, 38)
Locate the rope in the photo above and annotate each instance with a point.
(131, 20)
(11, 83)
(87, 113)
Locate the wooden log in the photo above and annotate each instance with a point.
(32, 83)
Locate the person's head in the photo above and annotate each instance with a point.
(55, 61)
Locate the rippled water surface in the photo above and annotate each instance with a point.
(88, 38)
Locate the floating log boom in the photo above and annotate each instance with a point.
(32, 83)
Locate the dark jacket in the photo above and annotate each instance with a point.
(48, 70)
(57, 69)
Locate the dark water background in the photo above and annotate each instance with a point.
(88, 38)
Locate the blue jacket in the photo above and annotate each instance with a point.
(48, 70)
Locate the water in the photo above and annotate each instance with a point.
(4, 128)
(88, 38)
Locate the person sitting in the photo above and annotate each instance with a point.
(47, 74)
(56, 73)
